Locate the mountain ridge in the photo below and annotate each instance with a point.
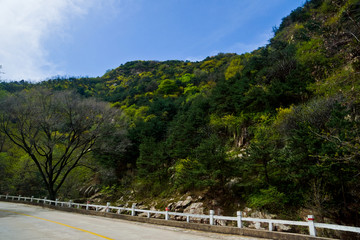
(275, 129)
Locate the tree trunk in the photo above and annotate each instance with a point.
(51, 191)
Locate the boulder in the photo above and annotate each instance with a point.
(282, 227)
(220, 222)
(142, 214)
(142, 207)
(187, 202)
(170, 206)
(260, 226)
(195, 208)
(182, 204)
(256, 225)
(157, 215)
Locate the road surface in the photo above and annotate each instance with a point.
(21, 221)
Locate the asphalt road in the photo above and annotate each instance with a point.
(20, 221)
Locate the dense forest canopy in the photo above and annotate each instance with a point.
(273, 129)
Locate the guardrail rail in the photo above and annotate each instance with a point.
(239, 219)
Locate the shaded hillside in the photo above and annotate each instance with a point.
(274, 129)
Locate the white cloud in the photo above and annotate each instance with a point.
(24, 25)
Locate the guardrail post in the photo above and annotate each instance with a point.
(44, 200)
(270, 226)
(312, 229)
(167, 213)
(148, 214)
(133, 210)
(56, 202)
(239, 219)
(19, 197)
(7, 195)
(32, 198)
(38, 200)
(212, 212)
(70, 202)
(87, 205)
(107, 207)
(188, 219)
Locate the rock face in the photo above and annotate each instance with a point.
(195, 208)
(282, 227)
(142, 214)
(258, 214)
(195, 205)
(157, 215)
(219, 212)
(96, 198)
(262, 226)
(181, 205)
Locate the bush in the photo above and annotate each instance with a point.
(270, 199)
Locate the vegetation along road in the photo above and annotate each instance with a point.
(19, 221)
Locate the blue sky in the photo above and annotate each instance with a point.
(42, 38)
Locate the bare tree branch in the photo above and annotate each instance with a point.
(57, 129)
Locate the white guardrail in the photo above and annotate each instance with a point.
(239, 219)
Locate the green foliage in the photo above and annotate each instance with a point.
(320, 151)
(18, 174)
(312, 53)
(152, 163)
(207, 166)
(167, 87)
(188, 175)
(186, 78)
(234, 68)
(269, 198)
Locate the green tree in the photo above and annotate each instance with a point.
(168, 87)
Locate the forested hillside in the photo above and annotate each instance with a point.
(274, 129)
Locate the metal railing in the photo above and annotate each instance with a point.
(239, 219)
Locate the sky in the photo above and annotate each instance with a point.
(41, 39)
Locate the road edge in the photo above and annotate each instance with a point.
(180, 224)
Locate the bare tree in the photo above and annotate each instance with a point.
(57, 129)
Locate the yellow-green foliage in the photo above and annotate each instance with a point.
(123, 81)
(186, 77)
(146, 75)
(312, 54)
(343, 8)
(230, 122)
(234, 68)
(345, 81)
(283, 114)
(310, 51)
(190, 89)
(208, 65)
(327, 7)
(167, 87)
(184, 165)
(136, 113)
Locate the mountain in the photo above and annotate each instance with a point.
(274, 129)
